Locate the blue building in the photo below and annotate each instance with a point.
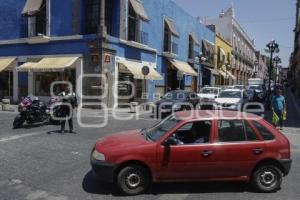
(42, 41)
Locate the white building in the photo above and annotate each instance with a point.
(243, 47)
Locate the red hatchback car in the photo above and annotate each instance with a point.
(195, 146)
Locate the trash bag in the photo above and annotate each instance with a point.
(284, 116)
(275, 119)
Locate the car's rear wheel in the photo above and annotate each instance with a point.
(133, 179)
(267, 178)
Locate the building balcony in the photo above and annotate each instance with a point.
(171, 50)
(35, 30)
(138, 36)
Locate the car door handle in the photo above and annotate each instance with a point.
(258, 151)
(206, 154)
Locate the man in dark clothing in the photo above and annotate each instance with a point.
(69, 103)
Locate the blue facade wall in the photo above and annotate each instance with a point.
(64, 47)
(61, 17)
(11, 19)
(62, 11)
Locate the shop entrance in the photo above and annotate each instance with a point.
(129, 88)
(172, 79)
(43, 81)
(206, 80)
(6, 84)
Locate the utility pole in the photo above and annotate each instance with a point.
(273, 47)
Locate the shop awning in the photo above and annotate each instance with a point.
(172, 27)
(227, 74)
(222, 53)
(135, 68)
(7, 63)
(231, 75)
(32, 7)
(139, 9)
(222, 73)
(26, 66)
(49, 64)
(193, 35)
(184, 67)
(213, 71)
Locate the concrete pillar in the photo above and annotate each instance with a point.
(200, 76)
(79, 72)
(15, 84)
(30, 83)
(115, 78)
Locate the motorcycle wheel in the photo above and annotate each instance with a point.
(18, 121)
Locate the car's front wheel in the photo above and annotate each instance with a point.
(133, 179)
(267, 178)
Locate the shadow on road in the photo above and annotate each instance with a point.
(91, 185)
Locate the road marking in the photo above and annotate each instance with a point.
(16, 137)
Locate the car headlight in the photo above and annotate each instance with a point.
(98, 156)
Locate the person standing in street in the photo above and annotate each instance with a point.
(69, 104)
(279, 106)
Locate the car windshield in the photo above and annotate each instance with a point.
(250, 92)
(230, 94)
(255, 87)
(240, 87)
(161, 128)
(209, 91)
(175, 95)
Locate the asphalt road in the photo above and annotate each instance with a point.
(37, 164)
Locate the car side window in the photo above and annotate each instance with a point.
(265, 133)
(251, 136)
(231, 131)
(193, 96)
(193, 133)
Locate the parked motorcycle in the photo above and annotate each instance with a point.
(31, 110)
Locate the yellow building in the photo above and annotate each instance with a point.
(224, 62)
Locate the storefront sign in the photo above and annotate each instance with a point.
(145, 70)
(107, 62)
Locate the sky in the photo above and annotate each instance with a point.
(263, 20)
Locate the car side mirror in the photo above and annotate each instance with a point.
(169, 142)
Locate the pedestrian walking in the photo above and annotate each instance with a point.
(279, 107)
(69, 104)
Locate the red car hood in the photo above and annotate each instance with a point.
(132, 138)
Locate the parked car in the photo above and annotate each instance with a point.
(260, 92)
(208, 95)
(176, 100)
(231, 99)
(240, 87)
(226, 87)
(251, 95)
(195, 146)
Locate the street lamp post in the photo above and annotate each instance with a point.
(256, 68)
(277, 61)
(279, 74)
(227, 65)
(273, 47)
